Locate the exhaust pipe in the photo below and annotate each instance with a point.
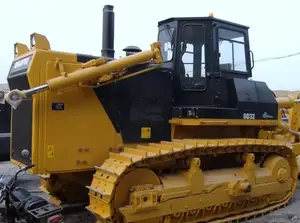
(108, 32)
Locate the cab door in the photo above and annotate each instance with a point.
(192, 86)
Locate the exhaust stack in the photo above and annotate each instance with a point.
(108, 32)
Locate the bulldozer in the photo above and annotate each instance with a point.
(177, 133)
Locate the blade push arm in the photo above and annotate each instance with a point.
(90, 71)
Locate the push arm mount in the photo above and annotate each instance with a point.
(290, 103)
(98, 71)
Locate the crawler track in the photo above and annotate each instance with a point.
(190, 194)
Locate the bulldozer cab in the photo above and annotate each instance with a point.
(203, 53)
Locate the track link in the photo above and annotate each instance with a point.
(112, 171)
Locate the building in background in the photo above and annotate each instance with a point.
(4, 86)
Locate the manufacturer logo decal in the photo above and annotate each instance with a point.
(266, 115)
(23, 62)
(19, 65)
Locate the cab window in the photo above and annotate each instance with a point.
(192, 57)
(232, 50)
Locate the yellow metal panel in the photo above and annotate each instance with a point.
(145, 132)
(76, 138)
(224, 122)
(36, 76)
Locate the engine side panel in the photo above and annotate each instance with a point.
(138, 105)
(267, 101)
(247, 100)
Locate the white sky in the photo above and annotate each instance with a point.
(76, 26)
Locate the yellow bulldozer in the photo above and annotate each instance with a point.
(177, 133)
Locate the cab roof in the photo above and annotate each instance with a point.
(193, 19)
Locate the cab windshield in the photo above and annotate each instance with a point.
(166, 37)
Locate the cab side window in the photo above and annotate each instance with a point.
(232, 50)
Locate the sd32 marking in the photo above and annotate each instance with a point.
(248, 115)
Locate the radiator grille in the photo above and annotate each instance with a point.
(21, 131)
